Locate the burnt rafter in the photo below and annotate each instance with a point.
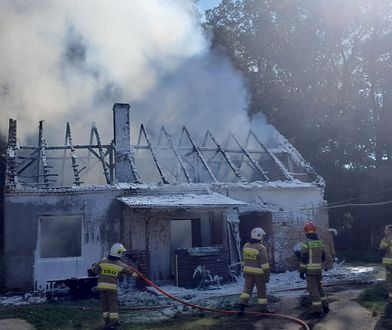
(75, 165)
(42, 161)
(143, 132)
(196, 149)
(280, 165)
(235, 170)
(174, 149)
(251, 159)
(101, 155)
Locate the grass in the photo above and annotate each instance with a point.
(374, 298)
(56, 316)
(86, 314)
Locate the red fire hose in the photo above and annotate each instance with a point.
(222, 311)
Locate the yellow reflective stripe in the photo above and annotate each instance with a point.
(251, 250)
(310, 256)
(105, 315)
(316, 303)
(253, 270)
(109, 286)
(244, 295)
(387, 261)
(112, 266)
(305, 246)
(383, 244)
(323, 298)
(265, 266)
(302, 267)
(113, 315)
(262, 301)
(313, 266)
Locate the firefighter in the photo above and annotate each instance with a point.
(256, 271)
(386, 252)
(312, 258)
(109, 269)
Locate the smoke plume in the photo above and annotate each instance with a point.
(71, 60)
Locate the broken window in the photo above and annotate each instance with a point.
(60, 236)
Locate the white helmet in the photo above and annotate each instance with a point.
(257, 233)
(117, 250)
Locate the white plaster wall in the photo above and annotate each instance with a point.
(287, 206)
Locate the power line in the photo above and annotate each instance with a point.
(335, 206)
(360, 197)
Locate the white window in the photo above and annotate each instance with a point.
(60, 236)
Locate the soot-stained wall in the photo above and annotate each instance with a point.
(24, 268)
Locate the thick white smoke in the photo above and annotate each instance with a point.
(70, 60)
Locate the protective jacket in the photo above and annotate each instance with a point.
(109, 269)
(312, 255)
(255, 259)
(386, 246)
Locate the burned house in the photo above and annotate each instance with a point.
(175, 202)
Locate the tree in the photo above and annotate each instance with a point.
(320, 71)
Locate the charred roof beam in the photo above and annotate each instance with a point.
(235, 170)
(251, 159)
(154, 154)
(280, 165)
(173, 148)
(101, 154)
(198, 152)
(68, 140)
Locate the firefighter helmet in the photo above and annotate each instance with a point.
(257, 233)
(309, 227)
(117, 250)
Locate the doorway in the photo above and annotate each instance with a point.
(250, 220)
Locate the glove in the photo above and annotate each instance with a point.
(90, 273)
(267, 279)
(302, 275)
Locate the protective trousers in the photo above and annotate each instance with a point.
(388, 280)
(109, 301)
(250, 281)
(316, 292)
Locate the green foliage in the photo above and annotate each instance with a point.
(374, 297)
(321, 73)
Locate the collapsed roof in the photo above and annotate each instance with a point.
(165, 158)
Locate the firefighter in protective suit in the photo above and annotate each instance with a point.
(109, 269)
(256, 270)
(386, 252)
(312, 258)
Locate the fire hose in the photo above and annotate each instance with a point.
(216, 310)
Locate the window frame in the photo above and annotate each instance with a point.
(80, 257)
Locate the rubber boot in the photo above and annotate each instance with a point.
(242, 309)
(317, 314)
(326, 309)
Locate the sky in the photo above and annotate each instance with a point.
(208, 4)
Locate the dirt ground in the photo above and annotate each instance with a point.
(15, 324)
